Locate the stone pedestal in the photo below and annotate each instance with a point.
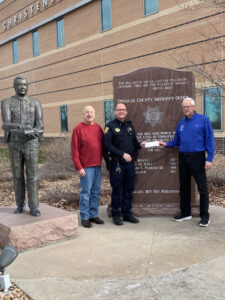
(24, 231)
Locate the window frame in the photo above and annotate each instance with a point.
(61, 120)
(15, 51)
(105, 102)
(35, 42)
(103, 29)
(221, 105)
(150, 13)
(60, 33)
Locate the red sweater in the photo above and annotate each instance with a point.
(87, 146)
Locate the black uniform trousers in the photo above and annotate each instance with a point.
(193, 164)
(122, 179)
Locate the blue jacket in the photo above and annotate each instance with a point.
(194, 134)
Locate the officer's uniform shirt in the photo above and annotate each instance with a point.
(120, 138)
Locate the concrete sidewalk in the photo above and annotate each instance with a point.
(155, 259)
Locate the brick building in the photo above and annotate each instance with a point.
(70, 50)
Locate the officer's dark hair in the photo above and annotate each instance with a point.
(120, 103)
(17, 78)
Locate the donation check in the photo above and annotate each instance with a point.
(152, 144)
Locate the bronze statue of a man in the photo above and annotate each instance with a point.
(23, 126)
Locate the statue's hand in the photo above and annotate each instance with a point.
(33, 132)
(21, 128)
(18, 129)
(28, 127)
(36, 133)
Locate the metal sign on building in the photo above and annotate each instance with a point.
(26, 13)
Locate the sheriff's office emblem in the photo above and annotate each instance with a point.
(153, 116)
(117, 130)
(106, 129)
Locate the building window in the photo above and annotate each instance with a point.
(150, 7)
(15, 51)
(106, 15)
(64, 118)
(35, 40)
(60, 32)
(108, 111)
(212, 101)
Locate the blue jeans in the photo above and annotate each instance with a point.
(90, 192)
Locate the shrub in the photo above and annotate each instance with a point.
(58, 163)
(5, 168)
(217, 173)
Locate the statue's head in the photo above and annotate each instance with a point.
(20, 85)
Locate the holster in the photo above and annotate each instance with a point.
(109, 163)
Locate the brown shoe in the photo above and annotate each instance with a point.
(86, 223)
(96, 220)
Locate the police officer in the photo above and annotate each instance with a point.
(23, 126)
(121, 146)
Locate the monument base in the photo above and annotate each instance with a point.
(162, 211)
(24, 231)
(157, 211)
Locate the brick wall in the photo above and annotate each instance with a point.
(220, 145)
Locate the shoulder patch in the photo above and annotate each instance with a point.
(106, 129)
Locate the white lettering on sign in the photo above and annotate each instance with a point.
(45, 3)
(9, 22)
(38, 6)
(32, 9)
(15, 19)
(26, 13)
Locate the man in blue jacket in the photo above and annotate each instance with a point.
(194, 137)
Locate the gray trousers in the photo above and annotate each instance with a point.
(25, 153)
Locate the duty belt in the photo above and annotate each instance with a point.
(121, 160)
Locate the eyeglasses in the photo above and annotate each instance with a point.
(187, 106)
(121, 109)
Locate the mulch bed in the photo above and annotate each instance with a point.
(13, 293)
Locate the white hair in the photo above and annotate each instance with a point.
(88, 107)
(189, 99)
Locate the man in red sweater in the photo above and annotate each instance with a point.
(87, 152)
